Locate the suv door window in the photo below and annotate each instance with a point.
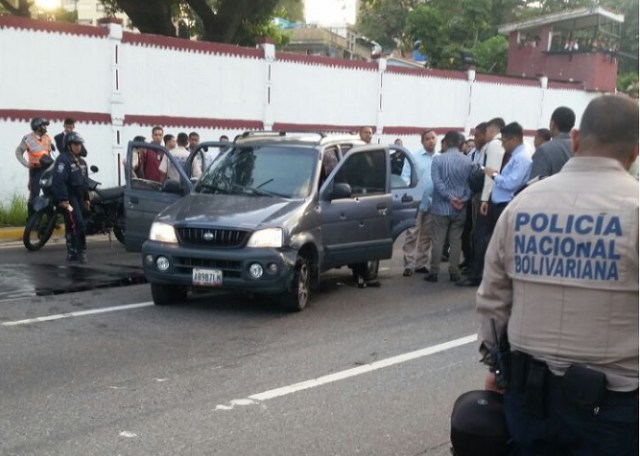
(203, 156)
(149, 189)
(366, 173)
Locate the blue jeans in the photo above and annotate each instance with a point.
(568, 430)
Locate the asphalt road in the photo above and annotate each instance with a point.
(361, 371)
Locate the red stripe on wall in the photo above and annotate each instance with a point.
(190, 45)
(26, 23)
(427, 73)
(325, 61)
(284, 126)
(507, 80)
(195, 122)
(78, 116)
(401, 131)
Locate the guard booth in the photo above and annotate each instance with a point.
(581, 45)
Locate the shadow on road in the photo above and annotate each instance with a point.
(24, 280)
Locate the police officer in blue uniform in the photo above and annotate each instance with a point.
(71, 192)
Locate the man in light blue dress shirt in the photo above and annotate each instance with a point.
(514, 174)
(417, 244)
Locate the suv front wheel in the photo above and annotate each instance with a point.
(296, 297)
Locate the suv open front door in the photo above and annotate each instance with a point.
(356, 209)
(147, 194)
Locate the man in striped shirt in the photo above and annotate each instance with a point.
(450, 175)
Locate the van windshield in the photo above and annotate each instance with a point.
(261, 171)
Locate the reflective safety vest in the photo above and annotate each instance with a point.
(36, 148)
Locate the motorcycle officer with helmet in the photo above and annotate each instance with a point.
(71, 193)
(35, 145)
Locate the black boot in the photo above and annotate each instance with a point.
(82, 256)
(72, 255)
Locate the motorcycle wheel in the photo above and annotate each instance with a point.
(118, 229)
(39, 229)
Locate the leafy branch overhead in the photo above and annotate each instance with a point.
(229, 21)
(446, 30)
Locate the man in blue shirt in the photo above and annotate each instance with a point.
(450, 174)
(514, 174)
(417, 244)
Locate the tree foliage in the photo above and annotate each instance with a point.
(228, 21)
(446, 28)
(384, 21)
(19, 8)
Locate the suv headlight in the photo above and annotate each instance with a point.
(269, 237)
(163, 232)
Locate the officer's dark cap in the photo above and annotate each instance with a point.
(478, 427)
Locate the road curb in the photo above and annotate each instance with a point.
(14, 233)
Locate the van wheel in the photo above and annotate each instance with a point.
(296, 297)
(165, 295)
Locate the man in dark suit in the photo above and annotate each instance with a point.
(68, 126)
(551, 156)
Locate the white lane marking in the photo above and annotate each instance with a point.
(128, 434)
(313, 383)
(79, 313)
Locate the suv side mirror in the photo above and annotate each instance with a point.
(172, 186)
(341, 190)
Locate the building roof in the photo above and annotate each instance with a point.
(576, 19)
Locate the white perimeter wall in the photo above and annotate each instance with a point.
(119, 86)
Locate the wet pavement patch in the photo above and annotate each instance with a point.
(24, 280)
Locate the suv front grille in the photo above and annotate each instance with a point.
(212, 237)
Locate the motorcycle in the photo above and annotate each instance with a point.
(105, 215)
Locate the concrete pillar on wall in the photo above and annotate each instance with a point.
(471, 78)
(116, 103)
(544, 83)
(269, 50)
(382, 67)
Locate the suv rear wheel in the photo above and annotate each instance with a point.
(296, 297)
(164, 295)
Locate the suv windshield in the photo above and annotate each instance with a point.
(262, 171)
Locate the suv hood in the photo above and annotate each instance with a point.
(233, 211)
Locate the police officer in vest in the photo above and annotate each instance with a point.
(561, 280)
(35, 145)
(71, 193)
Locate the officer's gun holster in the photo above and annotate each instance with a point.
(529, 377)
(582, 387)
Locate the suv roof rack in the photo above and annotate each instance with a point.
(248, 134)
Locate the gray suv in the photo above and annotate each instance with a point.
(269, 213)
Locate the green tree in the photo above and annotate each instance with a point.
(229, 21)
(17, 7)
(629, 38)
(384, 21)
(491, 54)
(448, 27)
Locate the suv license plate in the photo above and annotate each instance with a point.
(207, 277)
